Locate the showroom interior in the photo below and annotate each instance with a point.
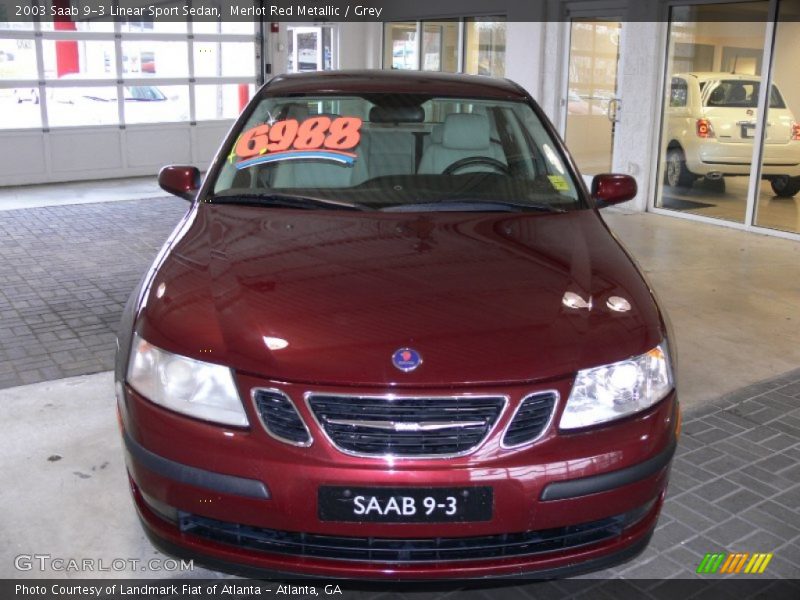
(91, 110)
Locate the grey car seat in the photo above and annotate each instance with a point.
(464, 135)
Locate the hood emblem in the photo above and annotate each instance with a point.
(406, 359)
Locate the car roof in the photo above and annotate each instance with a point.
(717, 75)
(393, 81)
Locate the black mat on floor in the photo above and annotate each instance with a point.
(680, 204)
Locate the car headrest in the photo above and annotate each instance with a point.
(437, 134)
(738, 93)
(466, 131)
(396, 114)
(296, 111)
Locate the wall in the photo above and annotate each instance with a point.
(84, 153)
(787, 50)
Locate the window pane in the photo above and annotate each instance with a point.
(95, 26)
(440, 46)
(485, 46)
(155, 104)
(207, 27)
(160, 26)
(224, 59)
(17, 59)
(710, 107)
(69, 106)
(400, 45)
(19, 107)
(26, 26)
(307, 50)
(778, 205)
(592, 85)
(327, 48)
(78, 59)
(162, 59)
(238, 28)
(221, 101)
(47, 23)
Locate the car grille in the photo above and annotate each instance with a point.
(280, 418)
(531, 419)
(405, 426)
(409, 550)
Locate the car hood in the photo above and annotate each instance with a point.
(329, 296)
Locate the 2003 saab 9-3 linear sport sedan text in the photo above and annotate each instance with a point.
(393, 338)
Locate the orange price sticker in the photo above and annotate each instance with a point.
(314, 133)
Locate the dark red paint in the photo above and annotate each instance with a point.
(611, 188)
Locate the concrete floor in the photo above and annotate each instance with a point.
(76, 502)
(81, 192)
(733, 298)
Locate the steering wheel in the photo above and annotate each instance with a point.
(476, 160)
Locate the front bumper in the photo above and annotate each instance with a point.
(224, 479)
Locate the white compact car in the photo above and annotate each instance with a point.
(711, 121)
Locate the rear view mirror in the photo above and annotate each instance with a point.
(181, 181)
(611, 188)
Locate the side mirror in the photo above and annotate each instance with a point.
(610, 188)
(180, 181)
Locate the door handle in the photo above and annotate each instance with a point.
(612, 110)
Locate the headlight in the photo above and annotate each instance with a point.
(192, 387)
(617, 390)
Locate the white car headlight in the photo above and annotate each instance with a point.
(192, 387)
(617, 390)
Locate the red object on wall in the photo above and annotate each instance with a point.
(274, 27)
(244, 96)
(66, 50)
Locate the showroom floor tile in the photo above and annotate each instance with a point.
(67, 272)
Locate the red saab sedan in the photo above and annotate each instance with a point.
(393, 338)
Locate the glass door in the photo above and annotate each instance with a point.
(591, 99)
(778, 202)
(310, 49)
(711, 109)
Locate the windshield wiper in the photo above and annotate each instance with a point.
(473, 206)
(284, 201)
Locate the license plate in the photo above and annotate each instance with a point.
(404, 505)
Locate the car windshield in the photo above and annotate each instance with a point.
(737, 93)
(398, 152)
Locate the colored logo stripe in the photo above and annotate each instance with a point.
(758, 563)
(345, 158)
(722, 562)
(734, 563)
(710, 563)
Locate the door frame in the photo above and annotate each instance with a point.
(569, 11)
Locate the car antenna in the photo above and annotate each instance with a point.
(735, 60)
